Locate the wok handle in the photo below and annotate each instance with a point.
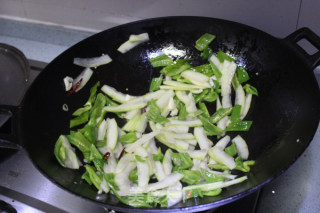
(9, 122)
(305, 33)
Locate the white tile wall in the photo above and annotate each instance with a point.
(278, 18)
(13, 8)
(310, 15)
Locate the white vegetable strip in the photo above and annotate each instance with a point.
(191, 107)
(112, 133)
(246, 105)
(210, 142)
(177, 128)
(183, 97)
(190, 123)
(102, 130)
(68, 83)
(136, 124)
(223, 123)
(110, 167)
(242, 147)
(154, 126)
(179, 145)
(218, 155)
(215, 185)
(168, 181)
(211, 82)
(188, 100)
(196, 78)
(240, 98)
(223, 142)
(142, 125)
(140, 37)
(125, 107)
(228, 70)
(114, 137)
(226, 101)
(163, 101)
(196, 91)
(122, 178)
(181, 136)
(85, 75)
(198, 154)
(218, 104)
(116, 95)
(167, 78)
(92, 62)
(192, 142)
(167, 162)
(143, 173)
(146, 137)
(71, 159)
(181, 86)
(196, 164)
(151, 166)
(152, 146)
(133, 41)
(166, 87)
(141, 152)
(152, 149)
(211, 161)
(117, 151)
(133, 190)
(104, 186)
(174, 194)
(131, 114)
(216, 61)
(172, 107)
(123, 162)
(204, 163)
(159, 171)
(201, 137)
(120, 132)
(229, 176)
(152, 95)
(191, 148)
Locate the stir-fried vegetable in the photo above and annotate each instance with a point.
(133, 41)
(92, 62)
(169, 144)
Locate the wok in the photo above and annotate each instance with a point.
(285, 115)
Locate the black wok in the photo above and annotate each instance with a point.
(285, 115)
